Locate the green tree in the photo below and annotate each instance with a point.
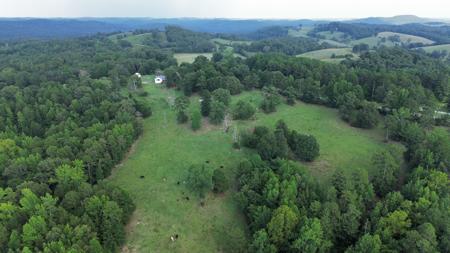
(243, 110)
(217, 113)
(106, 216)
(366, 244)
(222, 95)
(206, 103)
(199, 179)
(220, 181)
(34, 232)
(311, 238)
(305, 147)
(196, 120)
(385, 172)
(281, 226)
(181, 103)
(261, 243)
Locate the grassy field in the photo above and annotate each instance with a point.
(190, 57)
(302, 32)
(381, 39)
(162, 155)
(225, 42)
(334, 43)
(430, 49)
(326, 54)
(136, 40)
(341, 146)
(336, 36)
(406, 38)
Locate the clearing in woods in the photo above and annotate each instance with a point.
(154, 172)
(327, 54)
(190, 57)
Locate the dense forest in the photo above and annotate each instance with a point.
(71, 109)
(439, 34)
(65, 124)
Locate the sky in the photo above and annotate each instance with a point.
(263, 9)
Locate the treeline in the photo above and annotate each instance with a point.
(286, 45)
(65, 122)
(268, 32)
(177, 40)
(439, 34)
(381, 81)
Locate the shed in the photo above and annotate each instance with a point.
(160, 79)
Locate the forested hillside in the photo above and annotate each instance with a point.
(440, 34)
(65, 124)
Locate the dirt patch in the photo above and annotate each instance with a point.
(129, 228)
(131, 223)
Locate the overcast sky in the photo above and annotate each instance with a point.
(291, 9)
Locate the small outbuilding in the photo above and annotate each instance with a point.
(160, 79)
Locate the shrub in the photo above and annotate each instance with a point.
(143, 107)
(182, 117)
(222, 95)
(220, 182)
(206, 103)
(217, 113)
(243, 110)
(196, 120)
(305, 147)
(199, 179)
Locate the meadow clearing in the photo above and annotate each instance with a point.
(156, 167)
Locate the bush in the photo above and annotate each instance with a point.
(270, 102)
(199, 179)
(196, 120)
(243, 110)
(206, 103)
(220, 182)
(367, 116)
(217, 113)
(222, 95)
(142, 93)
(182, 117)
(305, 147)
(143, 107)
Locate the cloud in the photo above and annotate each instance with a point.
(228, 8)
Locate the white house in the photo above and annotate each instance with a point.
(160, 79)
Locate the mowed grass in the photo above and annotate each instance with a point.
(406, 37)
(190, 57)
(161, 157)
(300, 32)
(341, 146)
(430, 49)
(326, 54)
(381, 39)
(226, 42)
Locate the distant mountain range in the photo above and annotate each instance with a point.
(27, 28)
(400, 20)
